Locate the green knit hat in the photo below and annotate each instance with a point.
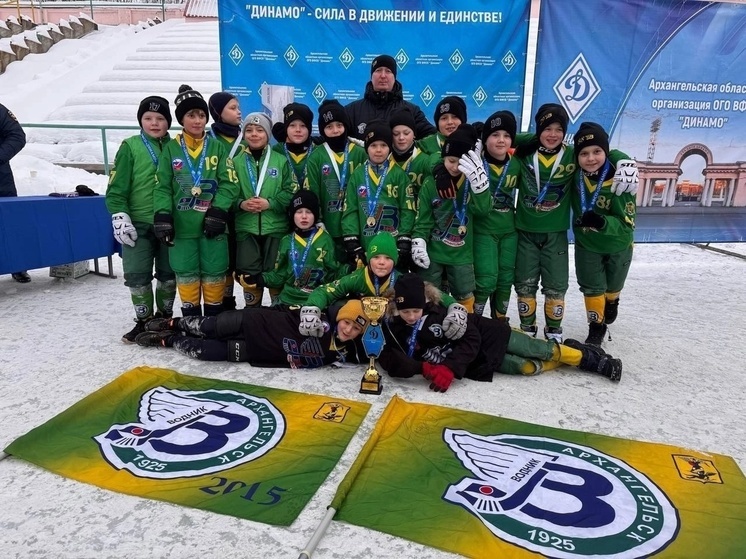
(383, 243)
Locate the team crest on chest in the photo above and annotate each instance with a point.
(188, 433)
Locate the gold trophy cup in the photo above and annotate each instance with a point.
(374, 308)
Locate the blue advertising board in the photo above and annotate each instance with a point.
(667, 79)
(475, 49)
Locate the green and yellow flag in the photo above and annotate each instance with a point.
(489, 487)
(248, 451)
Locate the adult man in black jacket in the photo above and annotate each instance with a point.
(383, 94)
(12, 140)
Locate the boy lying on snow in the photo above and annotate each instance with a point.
(416, 344)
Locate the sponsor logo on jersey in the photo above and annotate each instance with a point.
(560, 499)
(177, 164)
(187, 433)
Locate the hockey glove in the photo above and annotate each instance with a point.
(419, 253)
(124, 232)
(440, 376)
(354, 250)
(214, 224)
(443, 183)
(626, 178)
(470, 164)
(310, 322)
(357, 141)
(593, 220)
(404, 247)
(164, 228)
(454, 323)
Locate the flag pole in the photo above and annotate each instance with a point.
(318, 534)
(348, 480)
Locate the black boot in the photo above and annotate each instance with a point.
(21, 277)
(129, 337)
(162, 324)
(596, 333)
(193, 310)
(156, 339)
(611, 309)
(229, 303)
(596, 360)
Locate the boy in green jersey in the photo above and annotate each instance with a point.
(603, 226)
(495, 239)
(379, 198)
(195, 187)
(442, 239)
(329, 169)
(129, 199)
(266, 186)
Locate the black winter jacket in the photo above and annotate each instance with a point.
(378, 105)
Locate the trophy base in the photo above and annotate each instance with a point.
(370, 384)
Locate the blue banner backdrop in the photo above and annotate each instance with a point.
(475, 49)
(666, 80)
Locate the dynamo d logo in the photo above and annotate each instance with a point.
(577, 88)
(187, 433)
(560, 499)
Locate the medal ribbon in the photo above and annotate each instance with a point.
(196, 174)
(460, 213)
(504, 174)
(373, 201)
(257, 185)
(150, 149)
(302, 175)
(298, 266)
(581, 189)
(413, 338)
(341, 178)
(543, 191)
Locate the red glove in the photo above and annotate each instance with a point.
(440, 376)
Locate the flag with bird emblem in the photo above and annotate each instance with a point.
(485, 486)
(248, 451)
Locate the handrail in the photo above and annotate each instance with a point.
(102, 127)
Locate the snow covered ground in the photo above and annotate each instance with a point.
(679, 334)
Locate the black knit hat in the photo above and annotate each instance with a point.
(217, 103)
(549, 114)
(403, 117)
(383, 60)
(591, 134)
(188, 99)
(501, 120)
(409, 292)
(460, 141)
(304, 199)
(378, 130)
(298, 111)
(453, 105)
(154, 104)
(332, 111)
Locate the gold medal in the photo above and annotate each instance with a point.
(196, 191)
(371, 221)
(462, 230)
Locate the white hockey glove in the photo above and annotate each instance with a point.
(310, 322)
(419, 253)
(454, 323)
(626, 178)
(124, 232)
(470, 164)
(357, 141)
